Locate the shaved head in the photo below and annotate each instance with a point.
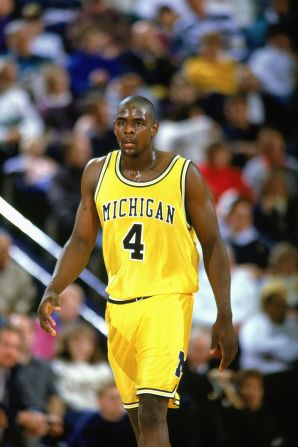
(139, 102)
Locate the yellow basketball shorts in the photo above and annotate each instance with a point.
(147, 345)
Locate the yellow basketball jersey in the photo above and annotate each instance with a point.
(148, 246)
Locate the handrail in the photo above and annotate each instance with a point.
(44, 277)
(44, 241)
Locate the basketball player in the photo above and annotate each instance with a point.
(151, 205)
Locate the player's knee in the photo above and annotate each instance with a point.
(152, 412)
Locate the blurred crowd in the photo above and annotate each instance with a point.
(223, 77)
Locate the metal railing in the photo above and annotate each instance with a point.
(51, 247)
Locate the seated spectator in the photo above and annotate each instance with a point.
(238, 231)
(165, 19)
(6, 14)
(283, 267)
(72, 298)
(268, 341)
(128, 84)
(54, 100)
(79, 367)
(275, 67)
(28, 177)
(18, 42)
(182, 94)
(188, 133)
(238, 129)
(149, 57)
(19, 118)
(21, 423)
(195, 389)
(96, 60)
(65, 192)
(109, 424)
(200, 17)
(244, 419)
(95, 124)
(272, 208)
(220, 175)
(43, 43)
(271, 154)
(245, 288)
(202, 70)
(17, 289)
(250, 87)
(36, 378)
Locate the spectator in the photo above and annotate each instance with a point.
(245, 288)
(72, 298)
(19, 118)
(127, 84)
(250, 87)
(96, 61)
(244, 418)
(64, 193)
(54, 100)
(195, 389)
(19, 422)
(202, 70)
(109, 424)
(188, 132)
(275, 67)
(220, 175)
(79, 367)
(268, 341)
(272, 209)
(243, 237)
(17, 289)
(43, 43)
(238, 129)
(6, 13)
(283, 267)
(18, 42)
(95, 124)
(202, 17)
(271, 154)
(28, 178)
(35, 377)
(149, 58)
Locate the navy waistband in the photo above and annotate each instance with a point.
(133, 300)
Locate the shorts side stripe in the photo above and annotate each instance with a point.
(130, 406)
(157, 392)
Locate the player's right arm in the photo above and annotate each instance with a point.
(76, 252)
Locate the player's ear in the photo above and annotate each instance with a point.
(154, 128)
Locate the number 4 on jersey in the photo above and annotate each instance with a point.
(133, 242)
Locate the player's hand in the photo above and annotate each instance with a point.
(49, 303)
(224, 342)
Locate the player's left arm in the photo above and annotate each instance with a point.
(201, 212)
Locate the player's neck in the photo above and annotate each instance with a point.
(140, 162)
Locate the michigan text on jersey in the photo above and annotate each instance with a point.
(138, 207)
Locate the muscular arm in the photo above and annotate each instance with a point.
(76, 252)
(203, 218)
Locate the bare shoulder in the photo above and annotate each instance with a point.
(165, 158)
(92, 172)
(195, 184)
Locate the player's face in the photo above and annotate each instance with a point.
(134, 128)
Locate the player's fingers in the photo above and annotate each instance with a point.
(48, 324)
(213, 346)
(228, 354)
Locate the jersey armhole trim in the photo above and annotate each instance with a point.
(102, 173)
(183, 189)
